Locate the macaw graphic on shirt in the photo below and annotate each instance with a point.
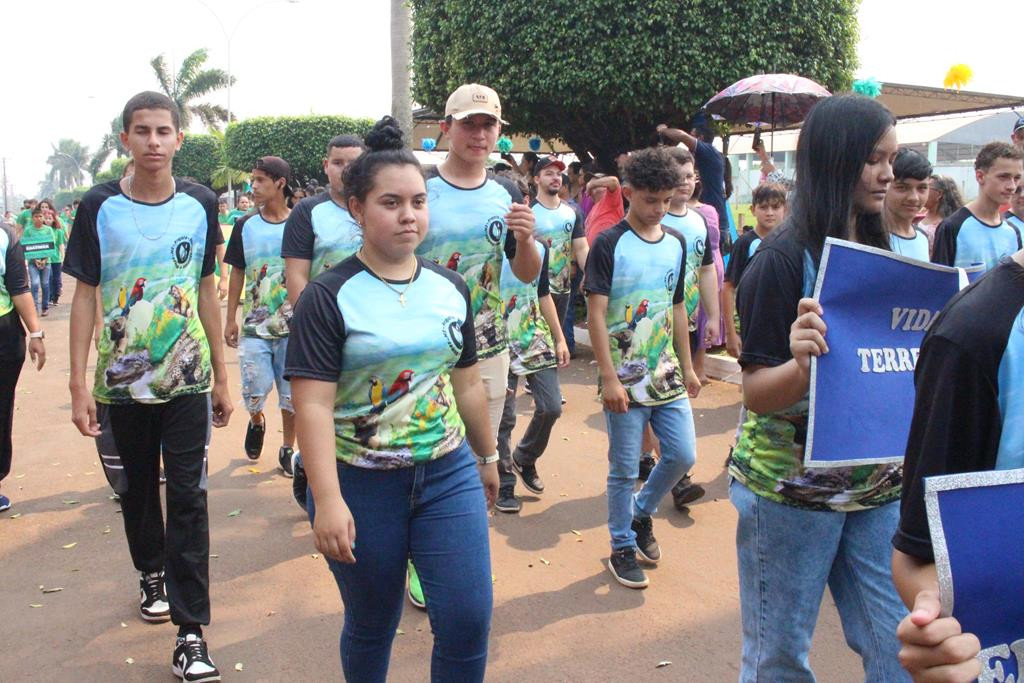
(531, 344)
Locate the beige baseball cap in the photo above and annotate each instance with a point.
(473, 98)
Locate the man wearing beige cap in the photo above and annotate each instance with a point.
(475, 219)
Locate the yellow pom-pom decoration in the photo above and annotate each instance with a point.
(957, 76)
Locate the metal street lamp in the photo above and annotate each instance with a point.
(227, 38)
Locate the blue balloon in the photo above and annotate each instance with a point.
(428, 144)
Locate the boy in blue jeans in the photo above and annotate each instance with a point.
(636, 314)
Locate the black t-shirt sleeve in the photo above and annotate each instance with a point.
(234, 255)
(944, 249)
(15, 275)
(299, 237)
(956, 428)
(543, 284)
(468, 356)
(767, 301)
(601, 265)
(317, 336)
(82, 257)
(708, 258)
(737, 260)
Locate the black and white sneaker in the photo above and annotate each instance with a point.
(254, 439)
(646, 544)
(507, 501)
(192, 662)
(299, 482)
(153, 605)
(686, 492)
(284, 459)
(528, 473)
(623, 566)
(647, 463)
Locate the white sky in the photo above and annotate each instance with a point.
(70, 66)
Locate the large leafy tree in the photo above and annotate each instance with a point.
(601, 74)
(68, 162)
(191, 83)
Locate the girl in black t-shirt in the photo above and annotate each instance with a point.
(802, 529)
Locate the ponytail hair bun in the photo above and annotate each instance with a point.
(385, 135)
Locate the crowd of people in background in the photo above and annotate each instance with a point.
(403, 432)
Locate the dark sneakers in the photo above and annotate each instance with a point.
(153, 605)
(254, 439)
(284, 459)
(647, 463)
(686, 492)
(623, 566)
(192, 662)
(299, 482)
(646, 544)
(528, 473)
(507, 501)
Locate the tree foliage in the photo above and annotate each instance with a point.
(191, 83)
(113, 172)
(111, 143)
(198, 157)
(68, 162)
(65, 197)
(601, 74)
(299, 140)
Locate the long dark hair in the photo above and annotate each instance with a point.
(835, 142)
(950, 200)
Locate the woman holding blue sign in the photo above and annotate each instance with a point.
(801, 529)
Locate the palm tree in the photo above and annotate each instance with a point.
(67, 164)
(192, 82)
(224, 175)
(111, 142)
(401, 100)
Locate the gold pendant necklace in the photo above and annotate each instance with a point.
(400, 293)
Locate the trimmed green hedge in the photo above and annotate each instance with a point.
(198, 157)
(299, 140)
(64, 197)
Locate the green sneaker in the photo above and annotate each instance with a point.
(415, 589)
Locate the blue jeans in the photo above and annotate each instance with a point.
(435, 513)
(569, 318)
(39, 280)
(261, 364)
(673, 425)
(56, 284)
(787, 555)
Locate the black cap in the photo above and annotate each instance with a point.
(544, 162)
(276, 167)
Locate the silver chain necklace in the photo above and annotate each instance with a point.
(131, 204)
(400, 293)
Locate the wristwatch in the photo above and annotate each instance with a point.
(41, 334)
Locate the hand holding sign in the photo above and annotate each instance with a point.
(934, 648)
(807, 335)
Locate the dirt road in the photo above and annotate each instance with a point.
(558, 616)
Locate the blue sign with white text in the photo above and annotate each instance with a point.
(877, 307)
(976, 521)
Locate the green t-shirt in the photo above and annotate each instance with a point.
(60, 240)
(40, 243)
(24, 218)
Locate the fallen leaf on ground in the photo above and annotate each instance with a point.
(70, 501)
(234, 513)
(255, 470)
(544, 561)
(124, 625)
(315, 556)
(129, 661)
(575, 532)
(16, 515)
(563, 495)
(214, 555)
(565, 438)
(271, 613)
(106, 530)
(69, 546)
(399, 632)
(239, 666)
(19, 476)
(57, 589)
(35, 604)
(662, 665)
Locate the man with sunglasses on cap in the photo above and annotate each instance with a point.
(476, 220)
(254, 254)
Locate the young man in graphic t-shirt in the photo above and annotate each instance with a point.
(475, 219)
(320, 233)
(560, 228)
(145, 246)
(254, 254)
(537, 349)
(977, 233)
(968, 417)
(904, 201)
(636, 314)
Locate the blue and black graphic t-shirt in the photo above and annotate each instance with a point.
(322, 232)
(394, 405)
(743, 249)
(969, 406)
(1015, 221)
(963, 240)
(694, 227)
(530, 343)
(915, 247)
(147, 260)
(643, 281)
(557, 228)
(13, 275)
(255, 248)
(468, 235)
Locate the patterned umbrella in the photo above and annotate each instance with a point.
(776, 100)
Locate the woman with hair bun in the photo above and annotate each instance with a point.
(382, 361)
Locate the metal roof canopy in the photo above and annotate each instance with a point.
(912, 101)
